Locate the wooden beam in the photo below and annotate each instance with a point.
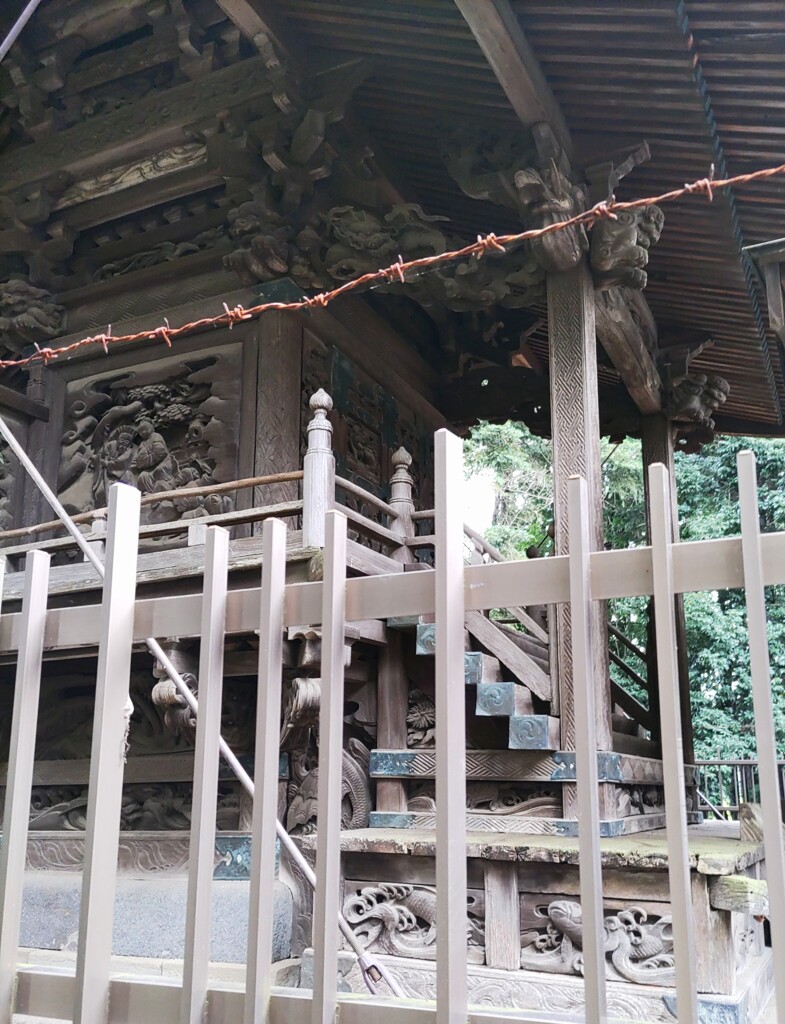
(15, 400)
(625, 341)
(262, 23)
(515, 65)
(503, 648)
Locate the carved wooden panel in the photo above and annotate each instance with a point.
(162, 425)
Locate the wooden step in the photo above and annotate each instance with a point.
(625, 725)
(504, 699)
(534, 732)
(498, 643)
(624, 744)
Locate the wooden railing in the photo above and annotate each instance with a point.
(93, 995)
(727, 783)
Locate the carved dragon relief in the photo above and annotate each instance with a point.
(619, 249)
(638, 946)
(401, 920)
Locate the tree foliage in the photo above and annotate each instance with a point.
(717, 644)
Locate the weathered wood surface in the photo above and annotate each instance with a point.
(709, 854)
(514, 63)
(520, 824)
(534, 732)
(628, 347)
(392, 705)
(740, 894)
(160, 566)
(279, 380)
(576, 451)
(152, 123)
(523, 766)
(508, 652)
(502, 917)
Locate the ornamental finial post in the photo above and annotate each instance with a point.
(318, 471)
(401, 488)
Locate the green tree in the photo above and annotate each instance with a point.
(717, 643)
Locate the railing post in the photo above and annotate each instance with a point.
(110, 730)
(318, 471)
(401, 485)
(205, 788)
(450, 615)
(19, 783)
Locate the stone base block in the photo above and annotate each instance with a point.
(149, 917)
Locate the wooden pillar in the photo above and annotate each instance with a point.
(392, 704)
(575, 424)
(42, 444)
(278, 384)
(657, 434)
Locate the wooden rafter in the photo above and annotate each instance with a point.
(515, 65)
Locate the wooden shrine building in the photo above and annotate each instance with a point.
(161, 160)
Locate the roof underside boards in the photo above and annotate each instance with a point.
(621, 73)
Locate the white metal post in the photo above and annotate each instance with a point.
(19, 783)
(328, 821)
(107, 757)
(672, 746)
(765, 734)
(451, 876)
(584, 683)
(201, 850)
(261, 903)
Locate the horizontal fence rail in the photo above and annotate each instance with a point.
(663, 569)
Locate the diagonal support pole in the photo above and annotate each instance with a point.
(373, 971)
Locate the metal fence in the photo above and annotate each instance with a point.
(93, 996)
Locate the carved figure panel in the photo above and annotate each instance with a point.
(168, 425)
(401, 920)
(638, 944)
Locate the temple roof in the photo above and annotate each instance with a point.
(698, 82)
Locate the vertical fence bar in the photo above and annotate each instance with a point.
(328, 820)
(586, 754)
(261, 903)
(201, 849)
(765, 734)
(672, 746)
(451, 880)
(21, 756)
(110, 724)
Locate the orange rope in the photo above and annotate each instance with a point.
(395, 272)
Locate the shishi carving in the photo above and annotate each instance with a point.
(637, 948)
(691, 403)
(401, 920)
(619, 249)
(28, 314)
